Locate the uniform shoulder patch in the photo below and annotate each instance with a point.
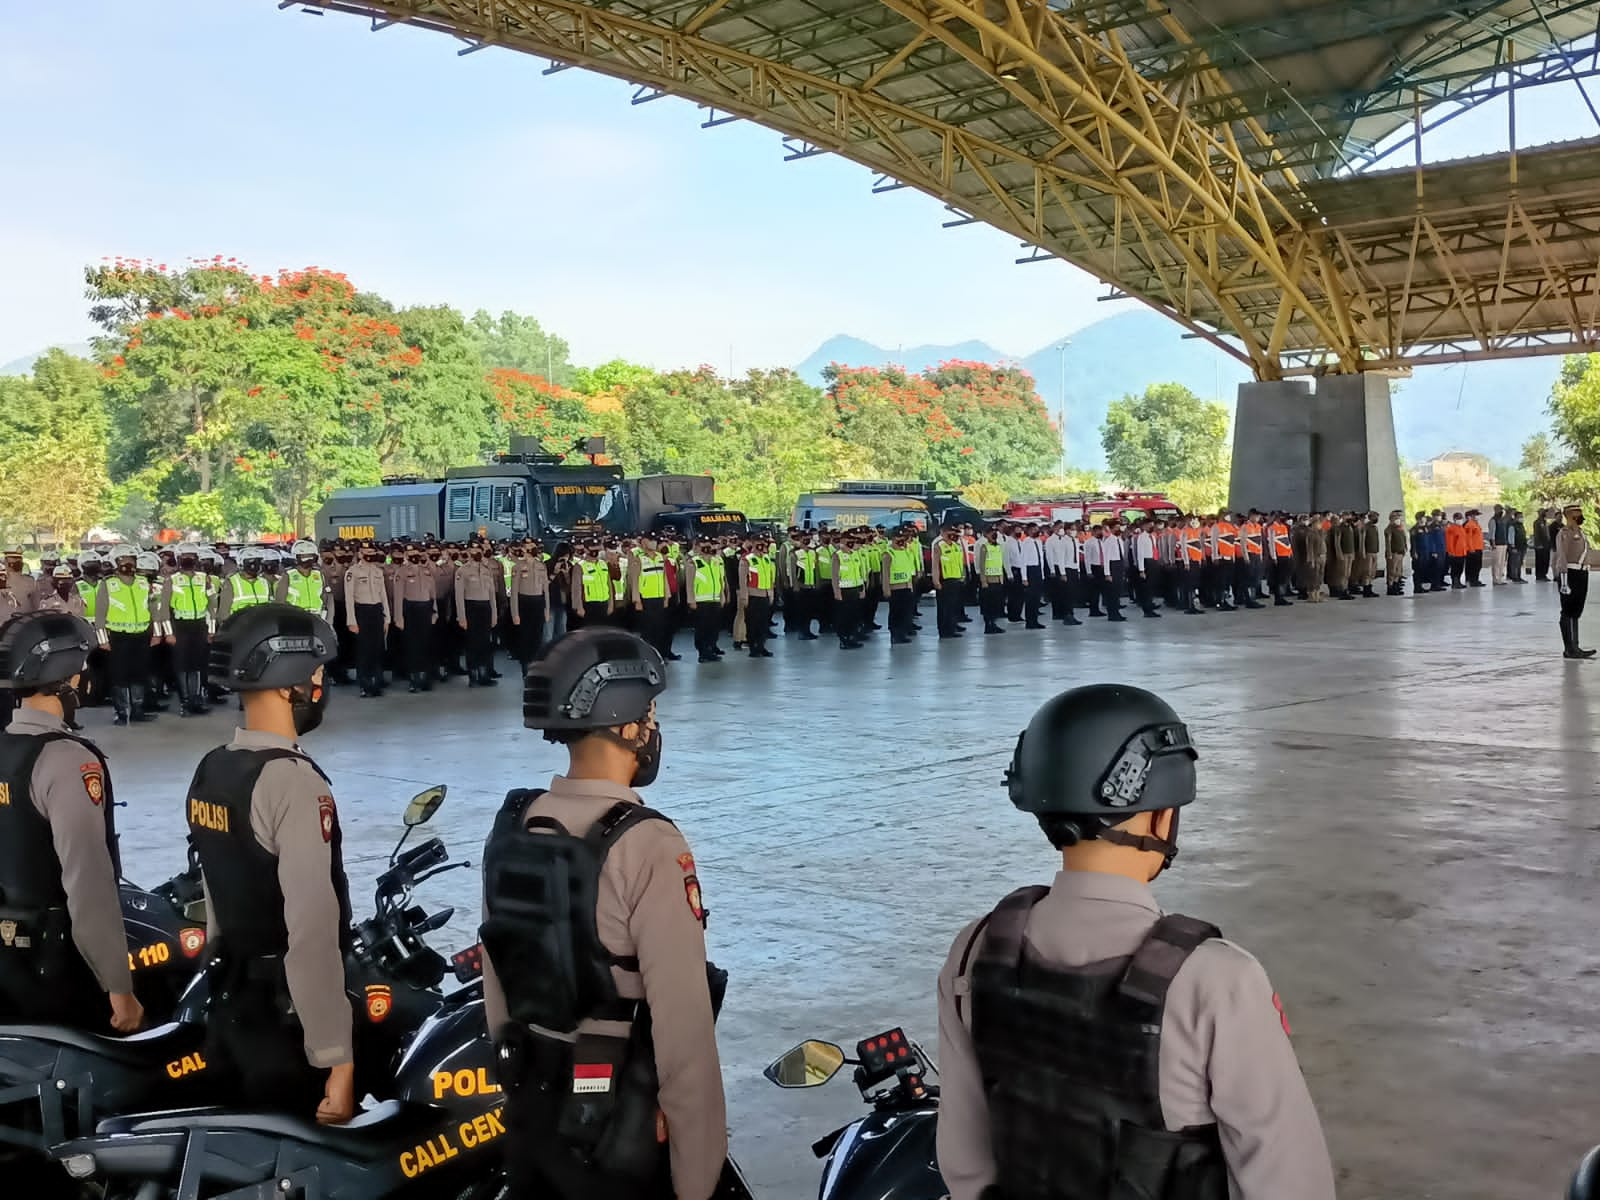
(94, 782)
(1283, 1017)
(691, 891)
(686, 863)
(328, 815)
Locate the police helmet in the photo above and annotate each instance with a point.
(305, 549)
(147, 561)
(1094, 756)
(252, 556)
(186, 550)
(38, 649)
(592, 679)
(122, 551)
(271, 646)
(210, 558)
(61, 572)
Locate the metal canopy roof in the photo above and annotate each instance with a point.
(1176, 150)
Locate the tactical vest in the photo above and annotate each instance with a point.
(191, 596)
(305, 591)
(541, 884)
(1070, 1060)
(30, 872)
(241, 876)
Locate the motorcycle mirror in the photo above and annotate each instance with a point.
(423, 805)
(810, 1064)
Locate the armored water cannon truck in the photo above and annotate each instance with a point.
(527, 492)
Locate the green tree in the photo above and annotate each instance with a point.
(519, 343)
(1167, 434)
(53, 432)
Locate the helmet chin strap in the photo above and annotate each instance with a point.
(1168, 849)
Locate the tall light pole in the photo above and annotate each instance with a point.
(1061, 400)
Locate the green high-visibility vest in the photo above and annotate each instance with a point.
(596, 582)
(993, 559)
(90, 594)
(763, 571)
(707, 581)
(247, 593)
(902, 564)
(305, 591)
(807, 562)
(191, 596)
(506, 566)
(852, 569)
(128, 606)
(652, 577)
(825, 564)
(952, 560)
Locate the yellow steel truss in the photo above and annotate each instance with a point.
(1037, 122)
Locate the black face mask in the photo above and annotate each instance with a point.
(188, 564)
(648, 756)
(126, 572)
(308, 706)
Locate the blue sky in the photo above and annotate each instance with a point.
(198, 127)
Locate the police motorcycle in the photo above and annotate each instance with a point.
(1585, 1183)
(166, 936)
(434, 1130)
(888, 1154)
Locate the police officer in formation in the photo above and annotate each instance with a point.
(63, 950)
(1090, 1045)
(263, 822)
(596, 985)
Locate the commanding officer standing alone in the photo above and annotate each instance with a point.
(263, 822)
(1570, 564)
(649, 1134)
(1090, 1046)
(66, 951)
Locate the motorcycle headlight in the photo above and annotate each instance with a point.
(79, 1166)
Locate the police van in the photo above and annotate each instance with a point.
(887, 502)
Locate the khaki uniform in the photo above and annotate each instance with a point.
(647, 909)
(416, 608)
(286, 818)
(365, 584)
(53, 601)
(1225, 1051)
(26, 589)
(368, 615)
(60, 792)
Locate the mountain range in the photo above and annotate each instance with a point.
(1487, 408)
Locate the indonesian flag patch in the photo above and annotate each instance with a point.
(591, 1078)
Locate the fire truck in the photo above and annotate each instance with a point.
(1096, 508)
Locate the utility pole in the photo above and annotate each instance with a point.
(1061, 400)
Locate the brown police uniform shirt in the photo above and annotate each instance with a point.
(1225, 1051)
(529, 577)
(475, 581)
(650, 907)
(26, 589)
(68, 790)
(53, 601)
(364, 583)
(286, 817)
(413, 582)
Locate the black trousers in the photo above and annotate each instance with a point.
(130, 659)
(419, 616)
(191, 646)
(1097, 591)
(369, 646)
(261, 1053)
(62, 992)
(992, 603)
(480, 635)
(1033, 593)
(1514, 559)
(757, 622)
(530, 628)
(449, 639)
(947, 608)
(847, 615)
(903, 611)
(347, 640)
(1144, 586)
(1458, 564)
(1541, 562)
(1015, 599)
(1576, 595)
(707, 625)
(1474, 566)
(1114, 585)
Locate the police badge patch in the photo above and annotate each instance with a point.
(329, 816)
(379, 1001)
(691, 889)
(94, 782)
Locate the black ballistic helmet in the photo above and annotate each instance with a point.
(1102, 753)
(38, 649)
(271, 646)
(592, 679)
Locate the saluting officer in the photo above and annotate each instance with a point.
(598, 1108)
(366, 592)
(263, 822)
(475, 593)
(1090, 1045)
(63, 948)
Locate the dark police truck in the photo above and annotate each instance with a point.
(526, 493)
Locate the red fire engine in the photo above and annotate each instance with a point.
(1094, 507)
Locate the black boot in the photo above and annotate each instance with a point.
(197, 694)
(153, 701)
(1572, 624)
(416, 683)
(184, 707)
(119, 701)
(488, 677)
(991, 627)
(138, 711)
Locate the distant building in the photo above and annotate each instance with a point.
(1459, 470)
